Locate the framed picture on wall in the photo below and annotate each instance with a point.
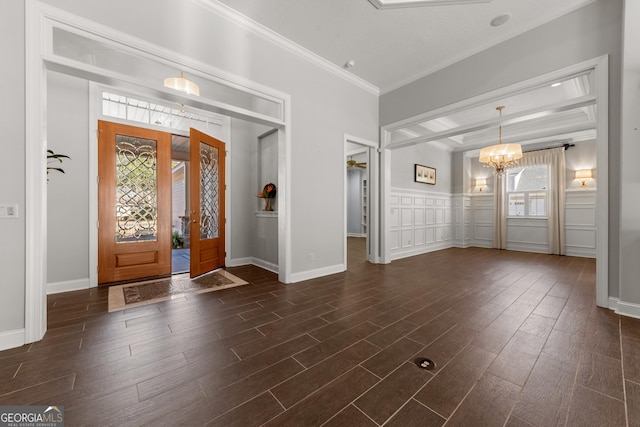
(425, 174)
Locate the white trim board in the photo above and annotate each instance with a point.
(237, 262)
(624, 308)
(68, 286)
(320, 272)
(12, 339)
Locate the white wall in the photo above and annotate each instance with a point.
(68, 193)
(630, 173)
(12, 173)
(404, 159)
(243, 148)
(584, 34)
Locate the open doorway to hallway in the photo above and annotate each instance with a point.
(357, 203)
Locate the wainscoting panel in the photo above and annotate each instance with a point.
(481, 213)
(528, 235)
(580, 223)
(420, 222)
(424, 222)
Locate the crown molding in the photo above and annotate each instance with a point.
(382, 4)
(255, 27)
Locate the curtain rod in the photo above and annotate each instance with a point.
(566, 147)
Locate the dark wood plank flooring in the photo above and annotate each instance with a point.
(516, 338)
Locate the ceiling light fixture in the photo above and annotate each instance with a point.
(501, 156)
(556, 84)
(182, 84)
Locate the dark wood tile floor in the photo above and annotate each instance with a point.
(516, 338)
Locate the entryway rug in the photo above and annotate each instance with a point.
(153, 291)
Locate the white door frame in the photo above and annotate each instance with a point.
(600, 67)
(373, 215)
(40, 18)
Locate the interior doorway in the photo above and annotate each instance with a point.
(359, 204)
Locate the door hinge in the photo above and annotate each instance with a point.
(98, 179)
(97, 224)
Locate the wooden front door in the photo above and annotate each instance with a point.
(207, 181)
(134, 203)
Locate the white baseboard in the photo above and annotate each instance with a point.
(12, 339)
(312, 274)
(580, 252)
(421, 250)
(67, 286)
(625, 308)
(528, 247)
(488, 244)
(356, 235)
(266, 265)
(613, 303)
(237, 262)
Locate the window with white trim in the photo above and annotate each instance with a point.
(527, 191)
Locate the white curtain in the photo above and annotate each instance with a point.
(554, 158)
(499, 211)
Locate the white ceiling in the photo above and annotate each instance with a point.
(392, 47)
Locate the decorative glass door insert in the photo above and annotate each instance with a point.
(209, 194)
(136, 189)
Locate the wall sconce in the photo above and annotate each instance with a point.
(481, 183)
(583, 175)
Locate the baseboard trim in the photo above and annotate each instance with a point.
(626, 308)
(265, 264)
(319, 272)
(12, 339)
(68, 286)
(237, 262)
(356, 235)
(420, 251)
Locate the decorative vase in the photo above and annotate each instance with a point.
(268, 206)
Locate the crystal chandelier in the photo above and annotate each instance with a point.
(501, 156)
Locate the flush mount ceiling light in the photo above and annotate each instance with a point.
(501, 156)
(182, 84)
(393, 4)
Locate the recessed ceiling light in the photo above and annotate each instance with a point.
(392, 4)
(556, 84)
(500, 20)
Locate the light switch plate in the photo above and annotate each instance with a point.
(8, 210)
